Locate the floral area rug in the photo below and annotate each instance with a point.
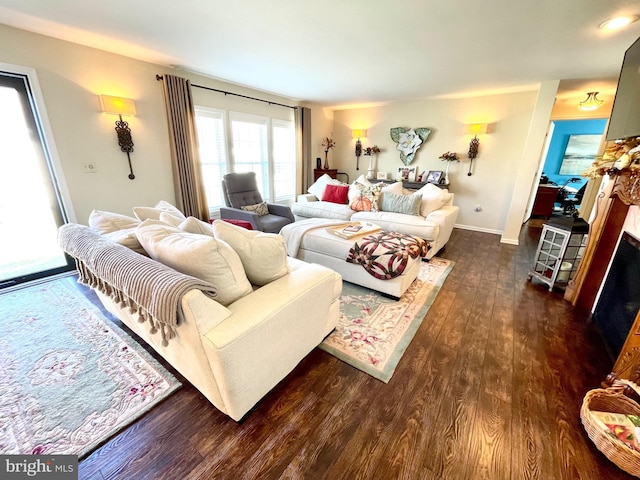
(374, 331)
(69, 377)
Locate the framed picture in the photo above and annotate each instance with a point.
(579, 154)
(435, 176)
(382, 176)
(407, 173)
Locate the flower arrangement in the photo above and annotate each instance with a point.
(622, 154)
(372, 150)
(450, 157)
(328, 143)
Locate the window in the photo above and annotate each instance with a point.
(250, 148)
(242, 142)
(213, 153)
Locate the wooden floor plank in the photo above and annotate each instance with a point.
(490, 387)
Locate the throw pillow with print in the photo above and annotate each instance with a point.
(368, 199)
(259, 208)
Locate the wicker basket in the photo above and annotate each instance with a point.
(613, 400)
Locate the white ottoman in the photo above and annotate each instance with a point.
(319, 246)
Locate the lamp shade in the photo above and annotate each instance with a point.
(477, 128)
(118, 105)
(361, 133)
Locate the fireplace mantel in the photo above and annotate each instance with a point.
(612, 206)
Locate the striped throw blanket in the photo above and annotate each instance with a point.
(145, 286)
(385, 255)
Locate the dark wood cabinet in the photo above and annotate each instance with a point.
(545, 198)
(318, 172)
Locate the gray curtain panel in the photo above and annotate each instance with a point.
(303, 142)
(187, 175)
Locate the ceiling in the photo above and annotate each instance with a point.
(337, 52)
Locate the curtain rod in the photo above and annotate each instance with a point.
(160, 77)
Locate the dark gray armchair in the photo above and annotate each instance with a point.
(240, 190)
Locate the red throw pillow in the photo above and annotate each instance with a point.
(336, 194)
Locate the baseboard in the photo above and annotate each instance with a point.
(478, 229)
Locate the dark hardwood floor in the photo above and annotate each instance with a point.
(490, 388)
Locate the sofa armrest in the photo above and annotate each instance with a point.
(281, 211)
(446, 218)
(269, 332)
(307, 197)
(239, 214)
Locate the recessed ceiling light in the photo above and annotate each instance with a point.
(618, 22)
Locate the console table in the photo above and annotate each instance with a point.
(409, 184)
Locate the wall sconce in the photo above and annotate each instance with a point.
(358, 134)
(475, 129)
(592, 102)
(121, 106)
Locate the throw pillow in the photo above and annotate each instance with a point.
(200, 256)
(259, 208)
(127, 237)
(170, 219)
(317, 188)
(263, 255)
(362, 180)
(394, 188)
(433, 198)
(144, 213)
(367, 200)
(194, 225)
(107, 222)
(408, 204)
(336, 194)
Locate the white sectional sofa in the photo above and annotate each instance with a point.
(433, 221)
(236, 326)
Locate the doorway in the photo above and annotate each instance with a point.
(31, 206)
(572, 146)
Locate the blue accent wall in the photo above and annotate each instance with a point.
(563, 129)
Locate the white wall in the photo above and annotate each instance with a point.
(494, 170)
(71, 78)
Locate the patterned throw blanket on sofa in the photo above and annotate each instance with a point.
(385, 255)
(148, 288)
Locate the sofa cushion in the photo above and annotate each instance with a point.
(107, 222)
(144, 213)
(409, 204)
(317, 188)
(368, 198)
(200, 256)
(433, 198)
(321, 209)
(263, 255)
(336, 194)
(401, 222)
(259, 208)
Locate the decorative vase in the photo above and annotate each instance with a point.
(371, 169)
(446, 174)
(326, 159)
(318, 163)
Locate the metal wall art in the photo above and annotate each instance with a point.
(409, 141)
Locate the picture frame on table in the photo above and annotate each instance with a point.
(382, 176)
(407, 174)
(435, 176)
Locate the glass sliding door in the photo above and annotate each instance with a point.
(31, 209)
